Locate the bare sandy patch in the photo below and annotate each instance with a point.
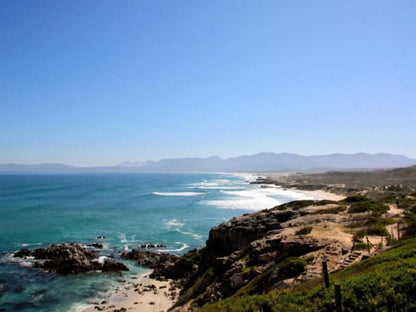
(138, 294)
(320, 195)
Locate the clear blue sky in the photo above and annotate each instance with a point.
(102, 82)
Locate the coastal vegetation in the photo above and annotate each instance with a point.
(385, 282)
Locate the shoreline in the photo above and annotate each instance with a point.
(145, 294)
(319, 194)
(139, 293)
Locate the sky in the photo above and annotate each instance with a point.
(103, 82)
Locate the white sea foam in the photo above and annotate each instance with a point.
(256, 198)
(24, 262)
(178, 193)
(213, 184)
(173, 222)
(193, 235)
(183, 247)
(248, 177)
(123, 238)
(244, 204)
(30, 244)
(102, 259)
(79, 307)
(217, 187)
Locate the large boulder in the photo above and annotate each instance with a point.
(23, 253)
(148, 258)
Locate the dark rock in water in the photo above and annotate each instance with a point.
(23, 253)
(96, 245)
(18, 289)
(101, 237)
(144, 246)
(148, 258)
(64, 256)
(113, 266)
(164, 265)
(71, 259)
(39, 292)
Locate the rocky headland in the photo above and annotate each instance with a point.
(255, 253)
(286, 245)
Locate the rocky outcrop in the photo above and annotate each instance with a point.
(238, 233)
(236, 252)
(69, 259)
(253, 253)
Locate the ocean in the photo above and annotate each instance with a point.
(173, 209)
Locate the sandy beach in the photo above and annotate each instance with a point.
(140, 293)
(320, 195)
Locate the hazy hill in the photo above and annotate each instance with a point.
(257, 162)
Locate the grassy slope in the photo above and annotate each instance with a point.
(386, 282)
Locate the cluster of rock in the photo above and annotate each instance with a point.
(235, 253)
(149, 246)
(69, 258)
(259, 245)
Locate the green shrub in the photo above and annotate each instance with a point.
(360, 246)
(303, 231)
(334, 210)
(359, 207)
(309, 259)
(375, 208)
(325, 202)
(411, 226)
(355, 199)
(375, 230)
(297, 204)
(292, 267)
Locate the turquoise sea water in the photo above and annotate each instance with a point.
(176, 210)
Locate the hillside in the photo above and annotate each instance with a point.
(344, 180)
(258, 162)
(385, 282)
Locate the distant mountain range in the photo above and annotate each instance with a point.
(257, 162)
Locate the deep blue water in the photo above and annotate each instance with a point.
(176, 210)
